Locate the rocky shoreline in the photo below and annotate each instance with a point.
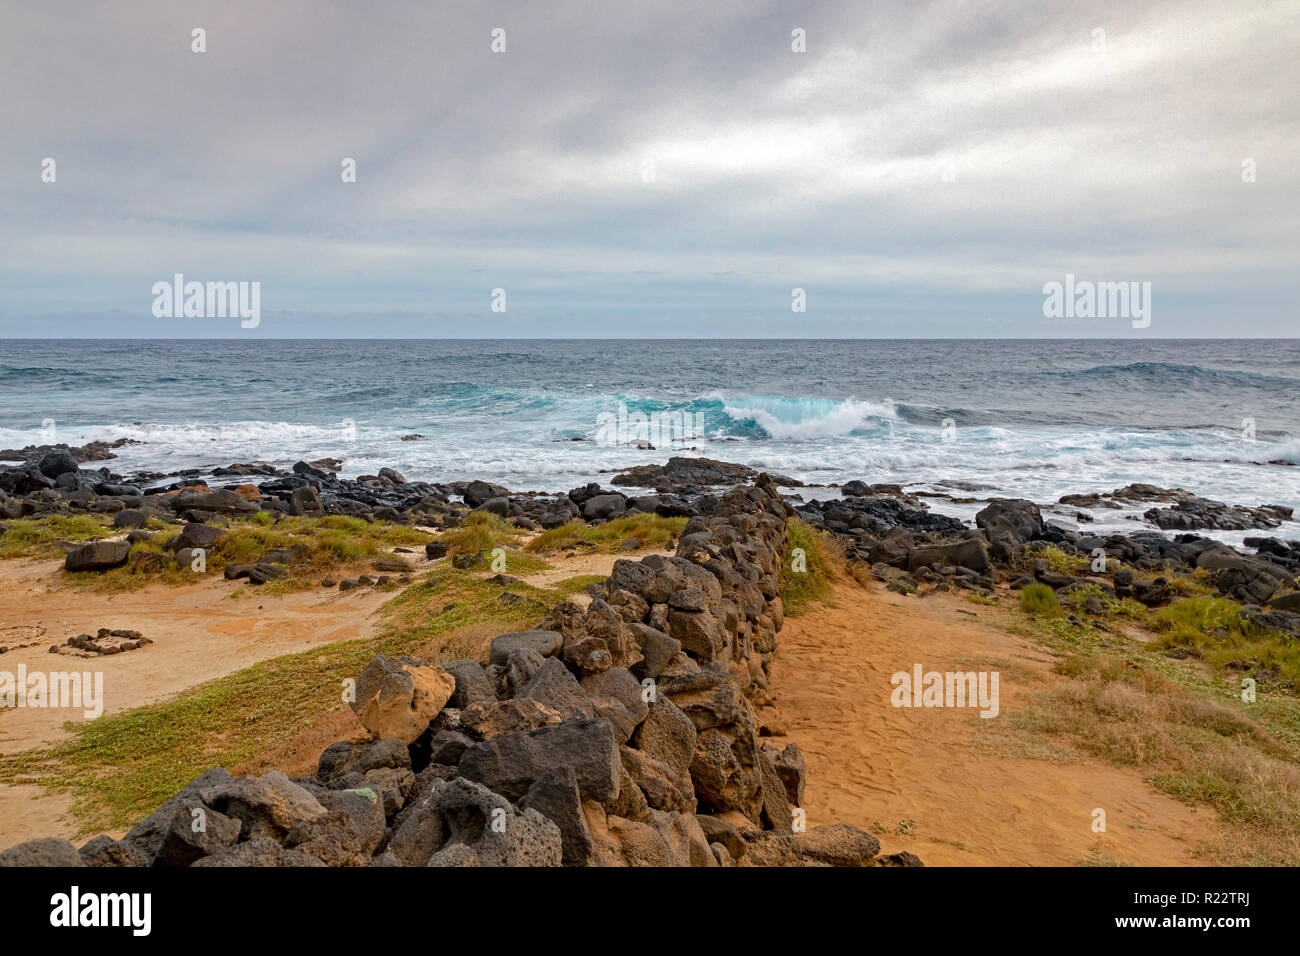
(624, 732)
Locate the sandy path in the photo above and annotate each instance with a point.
(199, 633)
(870, 762)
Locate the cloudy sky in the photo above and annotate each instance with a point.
(652, 168)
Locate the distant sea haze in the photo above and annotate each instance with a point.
(1024, 418)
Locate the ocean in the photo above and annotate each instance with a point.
(1025, 418)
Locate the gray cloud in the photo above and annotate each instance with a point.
(773, 169)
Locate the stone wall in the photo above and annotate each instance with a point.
(622, 733)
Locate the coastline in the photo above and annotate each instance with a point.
(885, 535)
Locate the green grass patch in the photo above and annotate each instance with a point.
(1062, 562)
(1213, 629)
(1039, 599)
(577, 584)
(36, 537)
(326, 543)
(653, 531)
(479, 531)
(807, 572)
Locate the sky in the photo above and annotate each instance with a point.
(655, 169)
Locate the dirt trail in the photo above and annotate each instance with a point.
(968, 803)
(199, 632)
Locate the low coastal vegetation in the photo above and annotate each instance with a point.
(1040, 599)
(1213, 629)
(1056, 560)
(808, 571)
(609, 537)
(1183, 725)
(1204, 700)
(306, 546)
(480, 531)
(38, 537)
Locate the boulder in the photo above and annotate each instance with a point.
(555, 795)
(345, 757)
(57, 462)
(658, 650)
(603, 507)
(665, 788)
(1009, 523)
(192, 837)
(269, 805)
(477, 492)
(196, 535)
(462, 823)
(511, 763)
(130, 518)
(106, 852)
(400, 696)
(97, 556)
(150, 833)
(220, 501)
(546, 643)
(554, 686)
(616, 694)
(472, 684)
(837, 844)
(667, 734)
(45, 851)
(790, 768)
(726, 774)
(305, 501)
(260, 852)
(970, 553)
(488, 719)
